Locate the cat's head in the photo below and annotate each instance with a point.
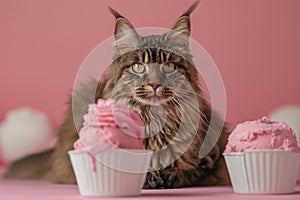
(155, 69)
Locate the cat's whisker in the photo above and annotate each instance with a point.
(118, 97)
(183, 96)
(190, 103)
(178, 103)
(205, 121)
(141, 92)
(187, 103)
(193, 108)
(135, 101)
(200, 113)
(188, 118)
(132, 101)
(190, 92)
(201, 141)
(187, 90)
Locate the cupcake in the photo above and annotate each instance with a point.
(109, 159)
(262, 157)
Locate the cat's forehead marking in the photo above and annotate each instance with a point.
(154, 55)
(152, 41)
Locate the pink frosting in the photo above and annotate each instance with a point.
(109, 124)
(262, 134)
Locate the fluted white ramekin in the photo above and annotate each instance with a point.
(263, 171)
(118, 172)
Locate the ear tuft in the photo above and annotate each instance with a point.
(115, 13)
(191, 8)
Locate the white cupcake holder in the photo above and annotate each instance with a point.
(118, 172)
(263, 171)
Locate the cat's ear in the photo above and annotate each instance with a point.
(126, 38)
(179, 34)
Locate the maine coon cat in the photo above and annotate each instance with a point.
(156, 76)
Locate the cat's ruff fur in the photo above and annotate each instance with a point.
(167, 143)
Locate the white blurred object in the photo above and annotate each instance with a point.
(290, 114)
(24, 131)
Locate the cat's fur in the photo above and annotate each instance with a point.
(176, 117)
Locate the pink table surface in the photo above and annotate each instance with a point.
(38, 190)
(41, 190)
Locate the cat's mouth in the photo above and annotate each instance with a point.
(153, 96)
(154, 100)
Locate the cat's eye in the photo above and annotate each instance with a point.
(138, 68)
(168, 68)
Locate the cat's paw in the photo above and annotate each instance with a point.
(173, 177)
(153, 180)
(61, 178)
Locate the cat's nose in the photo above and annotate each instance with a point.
(154, 85)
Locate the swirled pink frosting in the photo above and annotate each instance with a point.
(109, 124)
(262, 134)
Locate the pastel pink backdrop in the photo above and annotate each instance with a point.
(255, 44)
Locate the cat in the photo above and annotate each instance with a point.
(156, 76)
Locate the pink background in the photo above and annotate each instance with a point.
(255, 44)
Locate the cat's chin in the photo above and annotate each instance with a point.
(153, 101)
